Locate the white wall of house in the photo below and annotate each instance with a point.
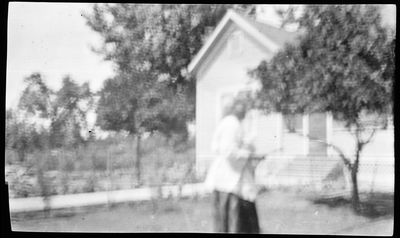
(376, 169)
(222, 72)
(381, 145)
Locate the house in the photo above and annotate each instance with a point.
(237, 45)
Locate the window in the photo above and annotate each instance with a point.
(369, 120)
(225, 99)
(389, 121)
(235, 43)
(249, 122)
(244, 93)
(375, 121)
(292, 123)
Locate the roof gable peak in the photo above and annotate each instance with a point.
(254, 28)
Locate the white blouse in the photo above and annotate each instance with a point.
(231, 170)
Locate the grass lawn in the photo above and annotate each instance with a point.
(279, 213)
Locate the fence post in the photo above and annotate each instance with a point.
(108, 178)
(306, 140)
(312, 180)
(373, 178)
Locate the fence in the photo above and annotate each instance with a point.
(99, 167)
(97, 171)
(326, 175)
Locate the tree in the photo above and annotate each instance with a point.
(20, 135)
(136, 104)
(160, 38)
(23, 136)
(65, 109)
(343, 63)
(70, 106)
(288, 15)
(151, 47)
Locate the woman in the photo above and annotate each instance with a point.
(231, 176)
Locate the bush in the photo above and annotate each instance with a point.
(10, 157)
(95, 158)
(21, 183)
(82, 169)
(45, 182)
(64, 180)
(91, 182)
(166, 163)
(67, 161)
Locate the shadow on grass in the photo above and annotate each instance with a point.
(54, 213)
(375, 205)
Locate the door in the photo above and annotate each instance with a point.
(317, 134)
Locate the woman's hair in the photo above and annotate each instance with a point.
(232, 107)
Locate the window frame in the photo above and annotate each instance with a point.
(235, 89)
(284, 126)
(234, 50)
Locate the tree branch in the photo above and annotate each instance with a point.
(346, 161)
(370, 136)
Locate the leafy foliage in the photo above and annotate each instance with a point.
(22, 136)
(71, 104)
(66, 108)
(344, 63)
(138, 105)
(151, 46)
(36, 97)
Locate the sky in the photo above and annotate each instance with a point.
(53, 39)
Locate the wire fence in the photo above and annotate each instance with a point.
(326, 175)
(94, 170)
(101, 167)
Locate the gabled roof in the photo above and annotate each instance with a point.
(279, 36)
(268, 36)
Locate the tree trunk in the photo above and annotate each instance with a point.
(138, 158)
(355, 197)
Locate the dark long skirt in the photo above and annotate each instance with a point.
(233, 214)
